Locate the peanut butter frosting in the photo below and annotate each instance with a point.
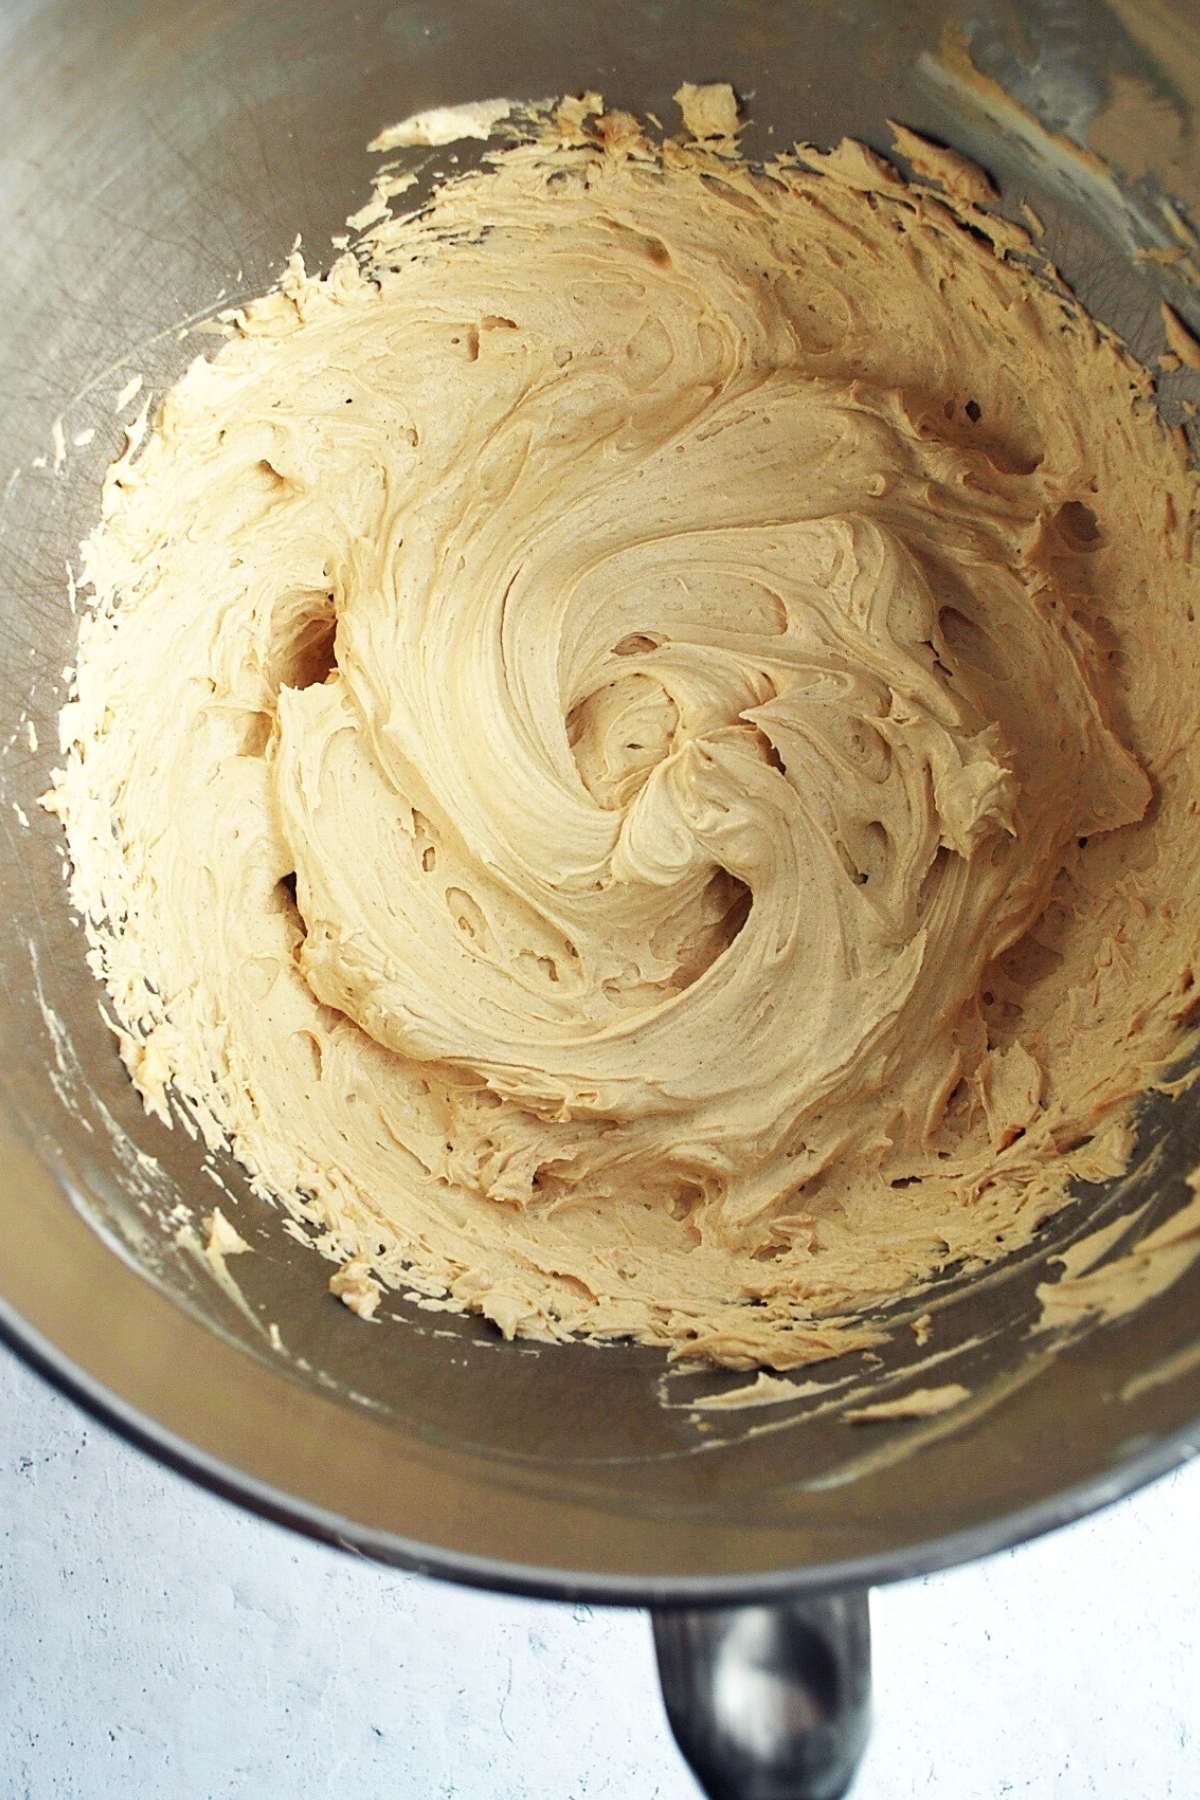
(635, 750)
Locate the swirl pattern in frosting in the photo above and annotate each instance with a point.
(631, 758)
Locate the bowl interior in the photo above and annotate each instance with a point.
(159, 163)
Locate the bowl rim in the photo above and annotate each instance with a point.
(1006, 1530)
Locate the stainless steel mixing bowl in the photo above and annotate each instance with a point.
(155, 156)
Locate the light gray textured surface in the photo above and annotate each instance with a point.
(156, 1641)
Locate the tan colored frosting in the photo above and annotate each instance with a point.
(918, 1403)
(715, 653)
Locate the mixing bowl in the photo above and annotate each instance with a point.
(159, 161)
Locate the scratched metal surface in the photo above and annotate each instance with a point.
(158, 162)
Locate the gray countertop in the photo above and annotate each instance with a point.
(156, 1641)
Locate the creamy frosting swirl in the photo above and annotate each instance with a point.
(593, 700)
